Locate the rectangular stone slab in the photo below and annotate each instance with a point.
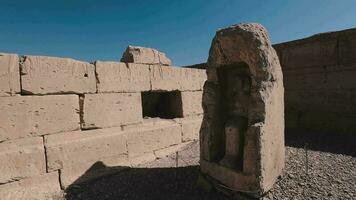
(9, 74)
(27, 116)
(122, 77)
(190, 127)
(80, 147)
(146, 139)
(51, 75)
(21, 158)
(110, 110)
(192, 103)
(44, 186)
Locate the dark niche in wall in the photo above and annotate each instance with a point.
(166, 105)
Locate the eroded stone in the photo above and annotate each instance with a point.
(144, 55)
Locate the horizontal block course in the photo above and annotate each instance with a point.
(21, 158)
(27, 116)
(51, 75)
(9, 74)
(122, 77)
(111, 109)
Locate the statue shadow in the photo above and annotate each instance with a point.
(321, 141)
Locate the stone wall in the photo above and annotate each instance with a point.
(60, 117)
(319, 80)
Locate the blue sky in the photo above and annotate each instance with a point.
(100, 30)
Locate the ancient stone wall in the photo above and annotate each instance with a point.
(319, 79)
(59, 117)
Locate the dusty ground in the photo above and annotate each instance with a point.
(317, 167)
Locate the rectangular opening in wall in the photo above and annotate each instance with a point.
(165, 105)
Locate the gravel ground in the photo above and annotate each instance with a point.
(316, 168)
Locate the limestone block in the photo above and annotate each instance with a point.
(26, 116)
(144, 55)
(44, 186)
(122, 77)
(111, 109)
(21, 158)
(51, 75)
(192, 79)
(192, 103)
(9, 74)
(165, 78)
(146, 139)
(85, 155)
(190, 128)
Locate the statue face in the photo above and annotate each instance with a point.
(237, 93)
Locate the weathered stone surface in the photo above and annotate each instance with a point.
(51, 75)
(111, 109)
(122, 77)
(189, 156)
(190, 127)
(144, 55)
(9, 74)
(26, 116)
(39, 187)
(165, 78)
(192, 79)
(146, 139)
(242, 134)
(192, 103)
(84, 155)
(21, 158)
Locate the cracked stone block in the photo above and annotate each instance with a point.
(51, 75)
(27, 116)
(144, 55)
(9, 74)
(45, 186)
(122, 77)
(146, 139)
(21, 158)
(110, 110)
(165, 78)
(190, 127)
(192, 79)
(190, 155)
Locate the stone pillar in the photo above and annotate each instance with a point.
(242, 135)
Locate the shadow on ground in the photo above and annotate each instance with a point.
(141, 183)
(321, 141)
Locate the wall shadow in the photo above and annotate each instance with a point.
(321, 141)
(140, 183)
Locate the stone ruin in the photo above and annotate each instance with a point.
(242, 134)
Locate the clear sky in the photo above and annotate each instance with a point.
(101, 29)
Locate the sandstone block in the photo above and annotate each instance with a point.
(190, 128)
(85, 155)
(110, 110)
(192, 79)
(44, 186)
(242, 134)
(21, 158)
(9, 74)
(26, 116)
(122, 77)
(50, 75)
(192, 103)
(146, 139)
(189, 156)
(165, 78)
(144, 55)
